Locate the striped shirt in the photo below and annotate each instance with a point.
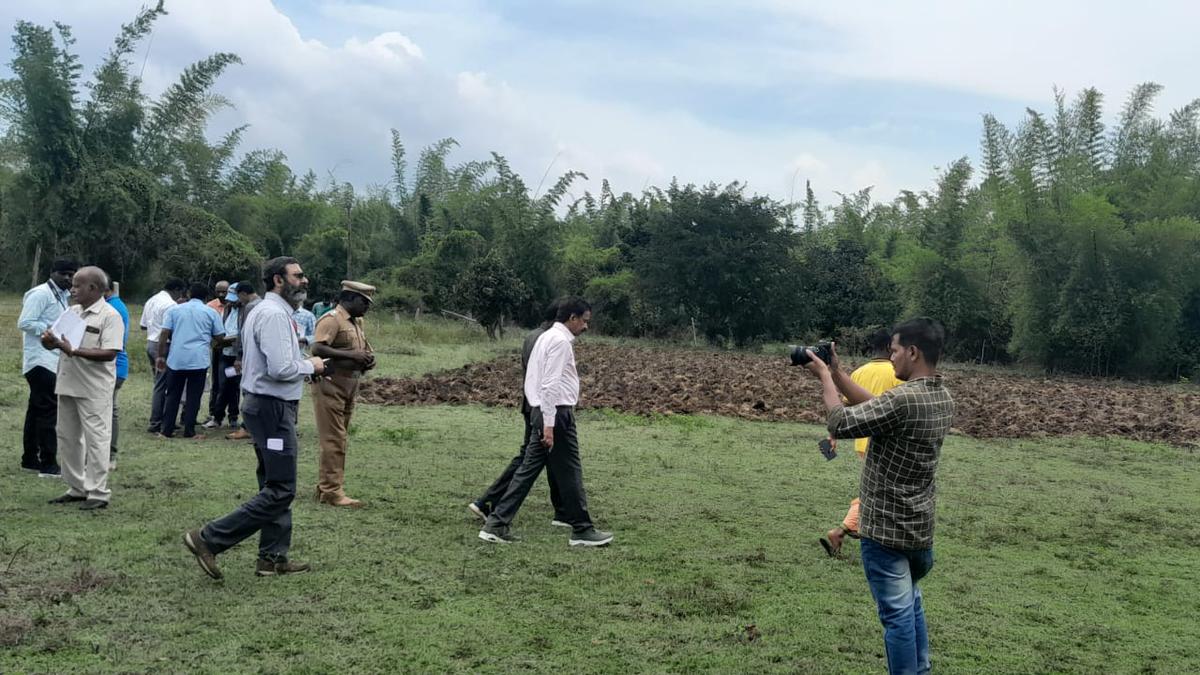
(906, 425)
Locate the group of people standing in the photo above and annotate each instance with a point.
(190, 340)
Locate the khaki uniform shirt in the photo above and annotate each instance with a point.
(85, 378)
(337, 330)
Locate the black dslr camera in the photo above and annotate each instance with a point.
(823, 350)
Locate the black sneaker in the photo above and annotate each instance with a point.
(52, 471)
(31, 467)
(268, 568)
(93, 504)
(204, 557)
(496, 534)
(591, 537)
(66, 499)
(478, 509)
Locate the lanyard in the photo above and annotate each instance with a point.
(50, 285)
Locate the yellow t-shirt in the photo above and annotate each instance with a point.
(876, 376)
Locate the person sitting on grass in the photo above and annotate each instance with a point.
(876, 376)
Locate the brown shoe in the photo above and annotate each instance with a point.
(267, 568)
(341, 500)
(206, 558)
(239, 435)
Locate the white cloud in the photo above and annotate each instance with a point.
(326, 87)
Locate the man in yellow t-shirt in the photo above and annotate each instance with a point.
(876, 376)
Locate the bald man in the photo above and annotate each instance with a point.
(87, 375)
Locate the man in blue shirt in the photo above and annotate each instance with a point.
(184, 354)
(229, 381)
(113, 298)
(306, 327)
(40, 308)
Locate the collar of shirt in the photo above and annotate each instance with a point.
(62, 295)
(277, 299)
(566, 332)
(95, 306)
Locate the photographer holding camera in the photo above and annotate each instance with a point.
(906, 425)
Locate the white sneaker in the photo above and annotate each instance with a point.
(559, 523)
(474, 508)
(211, 424)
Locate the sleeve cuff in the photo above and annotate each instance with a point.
(835, 420)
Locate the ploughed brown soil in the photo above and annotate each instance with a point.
(652, 381)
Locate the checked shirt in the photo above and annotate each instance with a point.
(907, 425)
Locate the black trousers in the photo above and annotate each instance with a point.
(215, 389)
(41, 418)
(272, 424)
(497, 489)
(159, 395)
(564, 463)
(177, 381)
(229, 390)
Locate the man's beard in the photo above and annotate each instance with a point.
(293, 295)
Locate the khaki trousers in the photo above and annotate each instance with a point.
(333, 402)
(84, 435)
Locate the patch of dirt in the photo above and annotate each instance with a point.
(13, 629)
(639, 380)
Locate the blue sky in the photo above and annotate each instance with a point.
(771, 92)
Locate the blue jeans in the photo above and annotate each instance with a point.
(892, 575)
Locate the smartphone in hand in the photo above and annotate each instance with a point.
(826, 448)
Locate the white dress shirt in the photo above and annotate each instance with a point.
(551, 379)
(153, 313)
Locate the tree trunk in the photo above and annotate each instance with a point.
(37, 261)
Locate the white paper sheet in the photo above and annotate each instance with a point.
(70, 326)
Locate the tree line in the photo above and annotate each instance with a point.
(1071, 245)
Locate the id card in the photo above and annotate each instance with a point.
(275, 444)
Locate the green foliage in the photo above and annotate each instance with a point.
(491, 291)
(1073, 247)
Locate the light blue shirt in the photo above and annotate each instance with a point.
(193, 325)
(231, 330)
(272, 363)
(306, 325)
(40, 308)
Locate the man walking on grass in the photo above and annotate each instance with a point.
(40, 308)
(491, 497)
(906, 425)
(552, 387)
(184, 353)
(87, 375)
(273, 373)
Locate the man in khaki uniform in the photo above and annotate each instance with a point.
(87, 375)
(339, 339)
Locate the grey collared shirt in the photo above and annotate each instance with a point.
(272, 363)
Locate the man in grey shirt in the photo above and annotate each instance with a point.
(273, 372)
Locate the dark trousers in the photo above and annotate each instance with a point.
(215, 389)
(494, 493)
(228, 394)
(564, 463)
(177, 381)
(41, 417)
(116, 419)
(159, 397)
(272, 424)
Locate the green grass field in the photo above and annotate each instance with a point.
(1068, 555)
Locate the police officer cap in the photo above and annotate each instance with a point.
(364, 290)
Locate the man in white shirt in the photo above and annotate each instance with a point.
(552, 388)
(153, 313)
